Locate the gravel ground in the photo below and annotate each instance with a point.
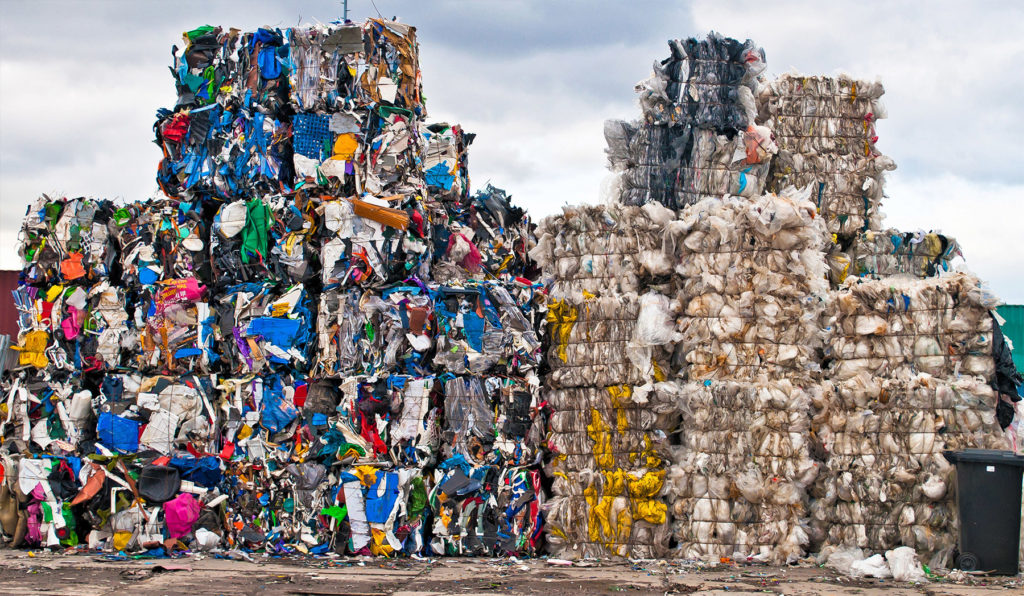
(88, 574)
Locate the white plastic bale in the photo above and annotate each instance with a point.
(910, 369)
(751, 285)
(602, 249)
(738, 482)
(825, 130)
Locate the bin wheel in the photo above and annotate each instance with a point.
(968, 562)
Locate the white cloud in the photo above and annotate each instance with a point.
(535, 80)
(985, 219)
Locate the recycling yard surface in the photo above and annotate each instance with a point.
(81, 575)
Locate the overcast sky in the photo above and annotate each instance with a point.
(80, 83)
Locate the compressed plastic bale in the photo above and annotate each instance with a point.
(885, 481)
(279, 165)
(586, 249)
(887, 253)
(68, 241)
(739, 481)
(751, 288)
(912, 369)
(825, 131)
(609, 452)
(939, 326)
(477, 343)
(697, 137)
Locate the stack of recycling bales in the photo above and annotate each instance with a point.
(266, 348)
(910, 371)
(825, 131)
(698, 137)
(751, 288)
(610, 406)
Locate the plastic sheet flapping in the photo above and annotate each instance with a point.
(825, 131)
(264, 360)
(911, 367)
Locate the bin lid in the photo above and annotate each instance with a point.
(985, 456)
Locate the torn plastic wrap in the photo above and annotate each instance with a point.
(825, 131)
(910, 366)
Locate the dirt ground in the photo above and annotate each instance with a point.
(85, 574)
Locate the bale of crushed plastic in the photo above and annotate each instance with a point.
(910, 371)
(698, 136)
(750, 291)
(738, 482)
(751, 285)
(891, 253)
(610, 457)
(604, 250)
(825, 131)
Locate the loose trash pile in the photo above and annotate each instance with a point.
(263, 359)
(321, 340)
